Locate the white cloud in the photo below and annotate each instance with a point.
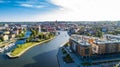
(78, 10)
(39, 6)
(31, 5)
(26, 5)
(90, 10)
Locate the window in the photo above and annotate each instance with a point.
(87, 51)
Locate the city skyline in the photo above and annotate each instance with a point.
(61, 10)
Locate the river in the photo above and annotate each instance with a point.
(43, 55)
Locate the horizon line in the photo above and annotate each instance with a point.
(66, 21)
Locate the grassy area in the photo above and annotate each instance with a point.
(21, 48)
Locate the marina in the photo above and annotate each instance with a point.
(6, 47)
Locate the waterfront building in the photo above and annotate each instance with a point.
(5, 37)
(107, 47)
(94, 48)
(80, 46)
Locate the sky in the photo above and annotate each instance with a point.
(61, 10)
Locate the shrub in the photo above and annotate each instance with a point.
(68, 59)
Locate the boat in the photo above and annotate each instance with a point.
(6, 47)
(12, 44)
(1, 50)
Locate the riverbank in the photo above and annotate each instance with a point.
(64, 60)
(9, 54)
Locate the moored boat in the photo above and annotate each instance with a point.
(1, 50)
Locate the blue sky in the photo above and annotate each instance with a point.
(63, 10)
(25, 6)
(13, 9)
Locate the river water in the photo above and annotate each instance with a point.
(43, 55)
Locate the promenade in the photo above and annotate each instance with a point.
(76, 63)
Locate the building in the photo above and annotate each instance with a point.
(82, 48)
(48, 28)
(107, 47)
(110, 36)
(5, 37)
(12, 36)
(94, 48)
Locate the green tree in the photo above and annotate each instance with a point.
(41, 36)
(33, 32)
(99, 34)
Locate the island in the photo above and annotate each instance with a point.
(36, 38)
(23, 48)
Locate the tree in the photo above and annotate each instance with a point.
(99, 33)
(1, 40)
(28, 40)
(33, 32)
(41, 36)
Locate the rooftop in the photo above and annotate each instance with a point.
(79, 40)
(107, 42)
(83, 40)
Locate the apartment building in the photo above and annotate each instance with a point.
(83, 48)
(88, 46)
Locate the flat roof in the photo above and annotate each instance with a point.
(80, 41)
(108, 42)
